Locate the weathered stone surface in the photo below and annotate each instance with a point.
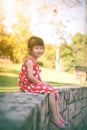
(30, 111)
(22, 110)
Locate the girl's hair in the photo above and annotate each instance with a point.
(35, 41)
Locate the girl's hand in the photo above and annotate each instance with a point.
(42, 83)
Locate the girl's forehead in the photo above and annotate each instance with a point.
(37, 46)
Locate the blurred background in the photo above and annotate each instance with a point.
(62, 24)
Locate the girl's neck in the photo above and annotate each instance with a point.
(34, 58)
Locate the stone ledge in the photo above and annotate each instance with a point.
(19, 110)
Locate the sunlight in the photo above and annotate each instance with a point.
(42, 20)
(10, 10)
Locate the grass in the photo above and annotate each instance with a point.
(8, 77)
(9, 74)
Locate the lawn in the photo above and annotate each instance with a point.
(8, 77)
(9, 74)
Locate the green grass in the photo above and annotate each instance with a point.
(9, 74)
(8, 77)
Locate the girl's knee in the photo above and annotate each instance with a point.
(52, 94)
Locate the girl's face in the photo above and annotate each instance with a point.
(37, 51)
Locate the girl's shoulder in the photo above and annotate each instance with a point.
(29, 59)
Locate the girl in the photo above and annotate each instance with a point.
(29, 79)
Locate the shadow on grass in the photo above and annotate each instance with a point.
(60, 84)
(8, 81)
(8, 71)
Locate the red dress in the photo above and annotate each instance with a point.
(27, 86)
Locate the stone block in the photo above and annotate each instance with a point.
(71, 111)
(77, 107)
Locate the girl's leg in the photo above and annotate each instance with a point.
(53, 107)
(58, 112)
(58, 109)
(54, 118)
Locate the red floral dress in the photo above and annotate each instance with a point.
(27, 86)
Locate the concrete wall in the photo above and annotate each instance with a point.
(28, 111)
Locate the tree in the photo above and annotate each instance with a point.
(73, 54)
(14, 46)
(3, 35)
(21, 34)
(48, 59)
(79, 45)
(66, 57)
(2, 18)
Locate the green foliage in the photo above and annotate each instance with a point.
(79, 45)
(73, 54)
(66, 57)
(13, 48)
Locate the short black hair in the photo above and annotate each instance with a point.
(35, 41)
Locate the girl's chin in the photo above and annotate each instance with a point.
(39, 55)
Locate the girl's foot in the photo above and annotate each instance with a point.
(62, 120)
(65, 122)
(57, 123)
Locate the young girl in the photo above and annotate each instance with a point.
(29, 80)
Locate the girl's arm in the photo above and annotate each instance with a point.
(32, 79)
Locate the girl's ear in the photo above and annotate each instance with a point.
(29, 51)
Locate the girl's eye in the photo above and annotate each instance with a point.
(36, 47)
(39, 48)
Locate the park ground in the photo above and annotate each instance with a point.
(9, 76)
